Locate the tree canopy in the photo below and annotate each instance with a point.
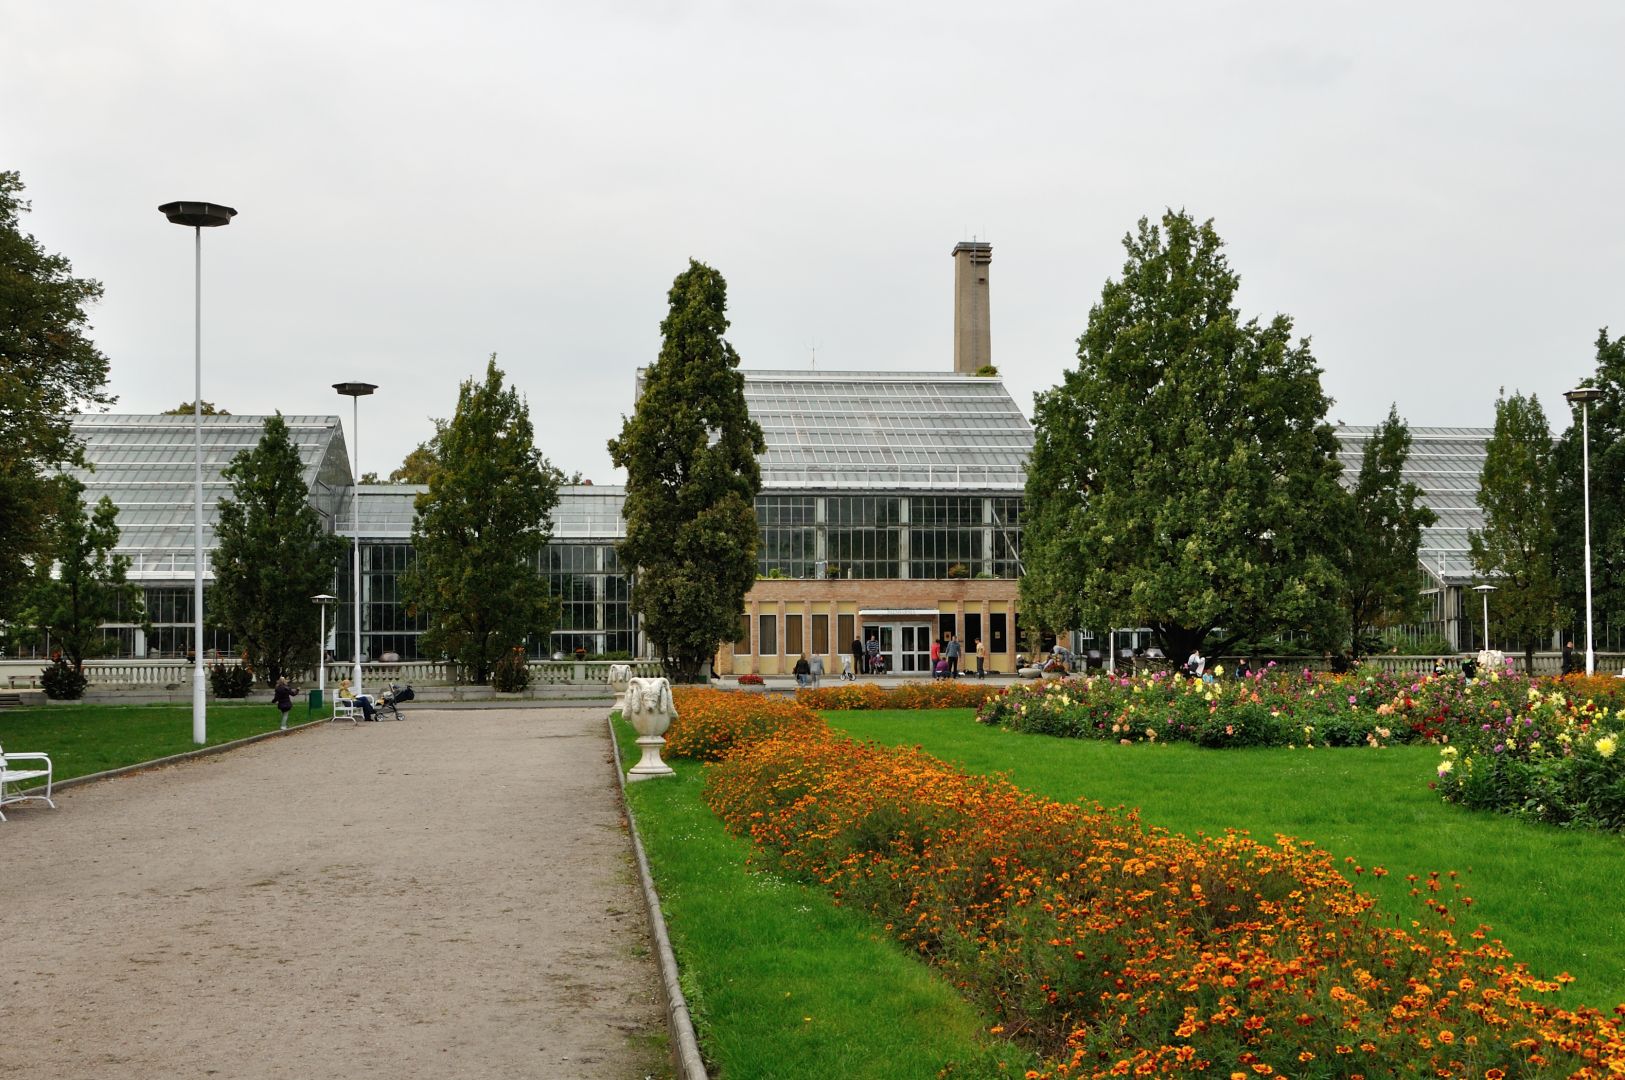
(1183, 476)
(49, 370)
(482, 530)
(82, 584)
(689, 450)
(272, 555)
(1514, 550)
(416, 467)
(207, 408)
(1381, 583)
(1607, 421)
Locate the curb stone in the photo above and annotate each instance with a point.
(686, 1051)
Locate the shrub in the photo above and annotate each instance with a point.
(710, 723)
(750, 678)
(62, 682)
(230, 680)
(1544, 754)
(511, 673)
(1113, 950)
(935, 694)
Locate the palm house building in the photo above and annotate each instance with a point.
(890, 509)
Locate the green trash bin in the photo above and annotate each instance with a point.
(314, 708)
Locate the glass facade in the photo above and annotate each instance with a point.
(595, 600)
(881, 537)
(788, 537)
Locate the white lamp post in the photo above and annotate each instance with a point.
(1585, 395)
(322, 599)
(200, 216)
(1484, 591)
(355, 391)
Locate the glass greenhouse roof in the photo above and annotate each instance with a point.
(1445, 463)
(145, 465)
(888, 430)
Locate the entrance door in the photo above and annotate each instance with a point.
(914, 648)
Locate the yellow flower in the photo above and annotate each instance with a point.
(1607, 745)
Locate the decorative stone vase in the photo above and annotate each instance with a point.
(619, 676)
(649, 709)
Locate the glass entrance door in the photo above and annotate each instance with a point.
(913, 649)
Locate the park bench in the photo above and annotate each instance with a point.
(9, 777)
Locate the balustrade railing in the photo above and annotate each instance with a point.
(174, 673)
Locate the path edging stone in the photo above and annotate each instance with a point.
(686, 1051)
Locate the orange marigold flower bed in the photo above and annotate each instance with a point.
(1115, 949)
(935, 694)
(710, 723)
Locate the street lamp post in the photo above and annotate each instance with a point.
(200, 216)
(1484, 591)
(1585, 395)
(355, 391)
(322, 599)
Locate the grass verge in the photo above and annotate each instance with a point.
(782, 982)
(85, 739)
(1547, 892)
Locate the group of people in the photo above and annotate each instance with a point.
(947, 655)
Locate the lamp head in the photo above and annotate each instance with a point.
(1582, 393)
(355, 389)
(323, 598)
(202, 215)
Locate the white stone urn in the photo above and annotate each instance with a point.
(649, 709)
(619, 676)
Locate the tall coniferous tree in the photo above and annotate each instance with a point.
(1183, 476)
(271, 556)
(689, 450)
(1514, 550)
(49, 369)
(482, 530)
(1381, 585)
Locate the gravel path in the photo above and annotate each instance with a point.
(452, 895)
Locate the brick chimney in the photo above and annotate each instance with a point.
(973, 339)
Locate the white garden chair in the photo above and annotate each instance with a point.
(10, 775)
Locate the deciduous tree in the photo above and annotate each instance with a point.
(481, 531)
(1381, 583)
(1607, 497)
(49, 370)
(83, 584)
(1514, 550)
(416, 467)
(689, 450)
(271, 556)
(1183, 476)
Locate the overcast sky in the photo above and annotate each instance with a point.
(1432, 191)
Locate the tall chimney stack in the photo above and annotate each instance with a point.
(973, 339)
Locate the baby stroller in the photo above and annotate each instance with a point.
(391, 702)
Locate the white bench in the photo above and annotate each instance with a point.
(10, 776)
(345, 709)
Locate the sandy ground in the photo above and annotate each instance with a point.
(452, 895)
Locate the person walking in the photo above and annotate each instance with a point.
(283, 698)
(803, 671)
(857, 657)
(872, 651)
(1571, 663)
(936, 654)
(981, 659)
(954, 649)
(816, 669)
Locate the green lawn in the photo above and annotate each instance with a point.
(84, 739)
(1551, 894)
(783, 983)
